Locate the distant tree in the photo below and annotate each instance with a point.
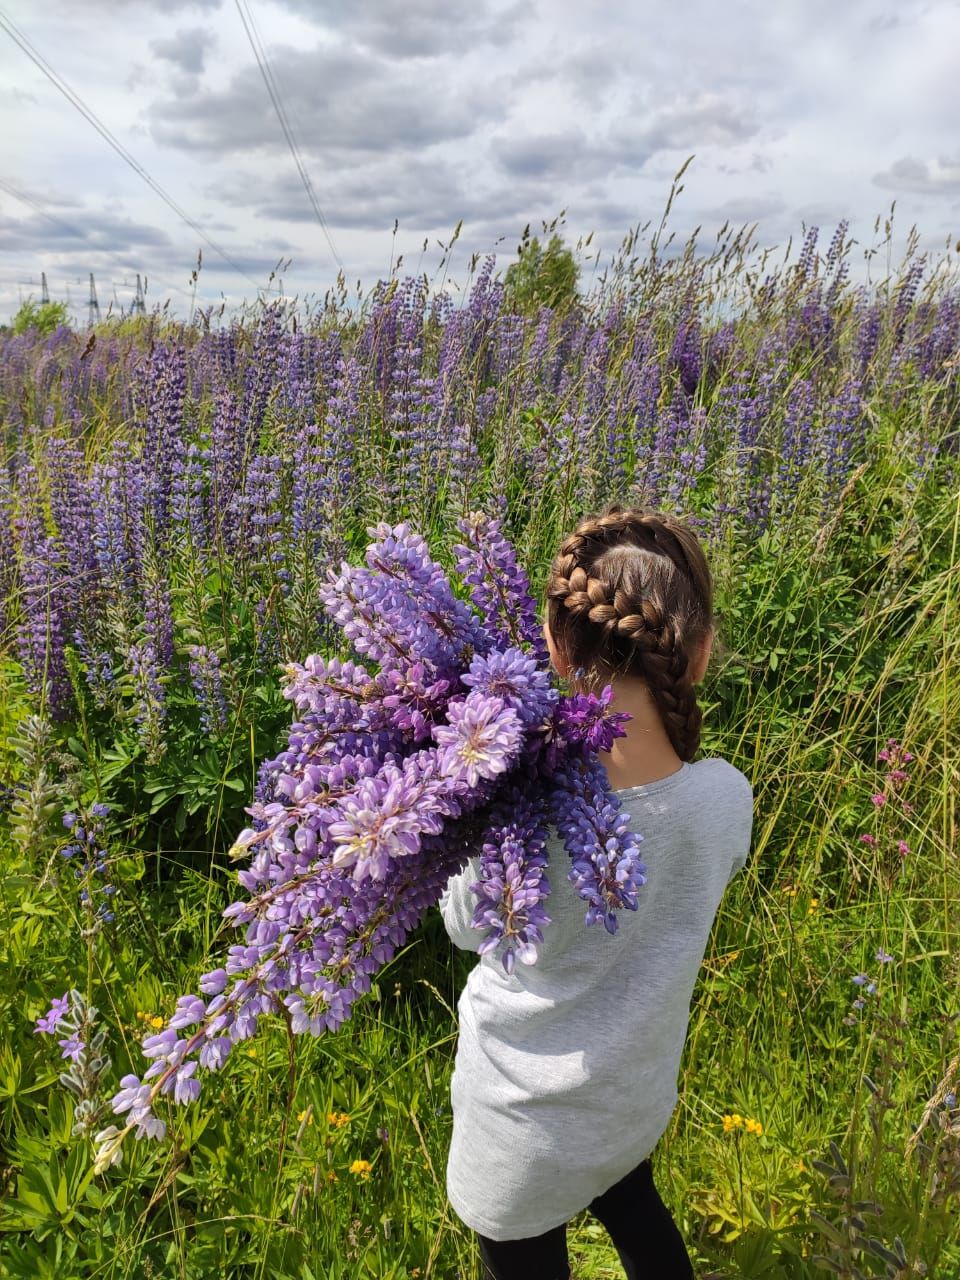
(43, 316)
(542, 277)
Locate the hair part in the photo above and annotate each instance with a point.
(630, 594)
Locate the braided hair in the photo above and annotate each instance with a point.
(630, 593)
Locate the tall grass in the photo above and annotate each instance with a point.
(837, 579)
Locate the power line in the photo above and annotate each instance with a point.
(76, 101)
(263, 62)
(26, 198)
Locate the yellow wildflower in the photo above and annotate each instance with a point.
(307, 1115)
(754, 1126)
(331, 1176)
(338, 1119)
(732, 1122)
(250, 1051)
(156, 1021)
(814, 903)
(361, 1168)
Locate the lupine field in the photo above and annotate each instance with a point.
(184, 513)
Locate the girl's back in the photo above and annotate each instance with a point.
(566, 1070)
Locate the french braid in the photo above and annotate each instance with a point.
(630, 593)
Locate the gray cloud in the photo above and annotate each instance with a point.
(186, 49)
(747, 209)
(542, 156)
(338, 100)
(919, 177)
(86, 229)
(686, 123)
(165, 6)
(417, 28)
(422, 194)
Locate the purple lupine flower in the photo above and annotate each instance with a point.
(47, 1023)
(513, 884)
(686, 354)
(499, 588)
(516, 679)
(160, 392)
(40, 634)
(226, 463)
(390, 778)
(606, 870)
(149, 697)
(207, 681)
(480, 740)
(412, 482)
(584, 719)
(73, 1047)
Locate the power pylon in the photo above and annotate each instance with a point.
(44, 291)
(93, 313)
(138, 307)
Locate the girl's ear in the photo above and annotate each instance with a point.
(560, 663)
(699, 666)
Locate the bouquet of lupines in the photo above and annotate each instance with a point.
(449, 741)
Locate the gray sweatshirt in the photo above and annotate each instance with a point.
(566, 1071)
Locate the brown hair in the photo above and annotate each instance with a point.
(630, 593)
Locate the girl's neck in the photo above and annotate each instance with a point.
(645, 754)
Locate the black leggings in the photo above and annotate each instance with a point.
(640, 1226)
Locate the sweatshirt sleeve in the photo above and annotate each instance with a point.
(742, 823)
(457, 905)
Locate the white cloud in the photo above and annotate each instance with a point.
(500, 112)
(920, 176)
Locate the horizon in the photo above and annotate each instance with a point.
(498, 114)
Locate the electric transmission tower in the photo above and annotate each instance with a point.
(138, 307)
(93, 313)
(44, 291)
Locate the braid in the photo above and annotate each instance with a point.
(630, 593)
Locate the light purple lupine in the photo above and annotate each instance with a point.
(391, 777)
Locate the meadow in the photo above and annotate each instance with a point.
(171, 498)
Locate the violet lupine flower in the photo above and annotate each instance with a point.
(40, 633)
(47, 1022)
(583, 718)
(513, 884)
(514, 677)
(606, 871)
(160, 396)
(387, 816)
(86, 852)
(85, 1048)
(149, 705)
(391, 778)
(8, 555)
(500, 589)
(480, 740)
(207, 681)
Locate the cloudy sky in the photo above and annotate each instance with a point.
(496, 112)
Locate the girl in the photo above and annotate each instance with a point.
(565, 1073)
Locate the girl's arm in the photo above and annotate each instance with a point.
(457, 905)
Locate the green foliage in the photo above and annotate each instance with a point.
(542, 276)
(42, 316)
(836, 634)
